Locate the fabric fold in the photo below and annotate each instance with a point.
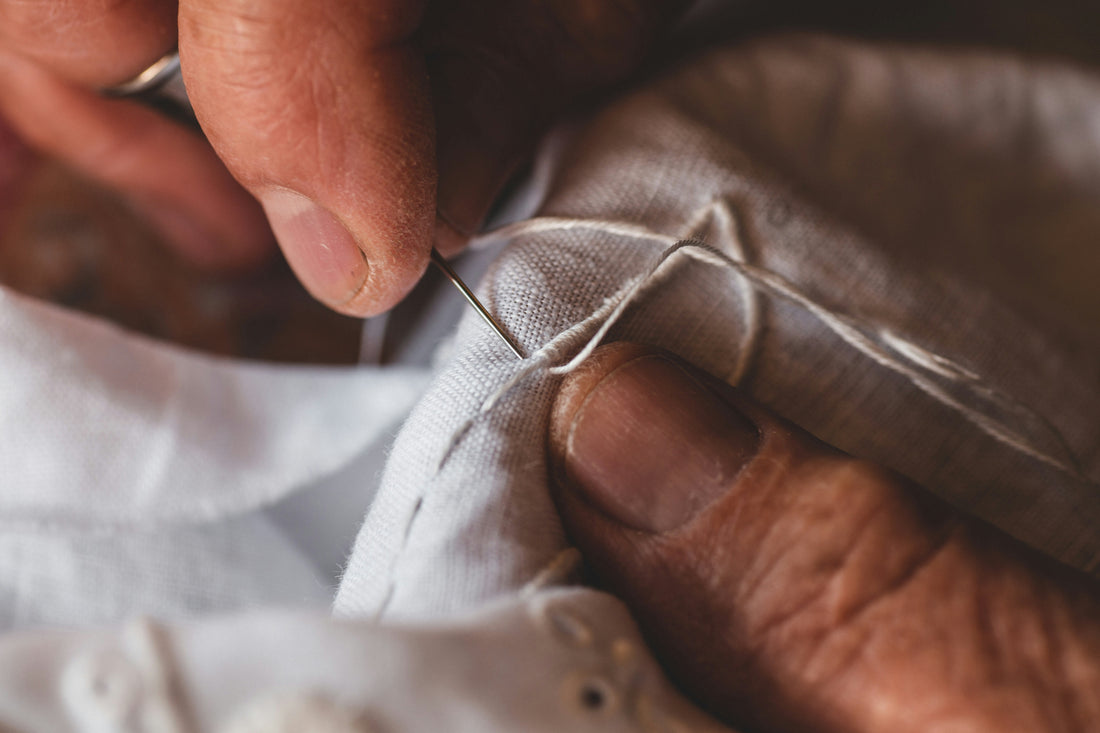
(107, 429)
(816, 309)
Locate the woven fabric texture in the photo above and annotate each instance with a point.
(815, 164)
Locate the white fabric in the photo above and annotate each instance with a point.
(269, 673)
(133, 474)
(950, 387)
(850, 190)
(157, 434)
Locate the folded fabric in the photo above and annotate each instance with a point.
(805, 217)
(844, 333)
(134, 475)
(284, 673)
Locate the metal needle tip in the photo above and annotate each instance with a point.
(442, 264)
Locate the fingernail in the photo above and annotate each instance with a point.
(318, 247)
(652, 447)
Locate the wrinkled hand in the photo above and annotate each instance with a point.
(333, 113)
(790, 587)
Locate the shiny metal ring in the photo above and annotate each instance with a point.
(159, 72)
(159, 86)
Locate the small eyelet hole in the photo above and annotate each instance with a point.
(593, 698)
(595, 695)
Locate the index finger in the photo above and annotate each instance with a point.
(322, 110)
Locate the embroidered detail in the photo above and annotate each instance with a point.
(127, 690)
(298, 713)
(612, 677)
(590, 694)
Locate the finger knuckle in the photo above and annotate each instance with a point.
(30, 23)
(847, 544)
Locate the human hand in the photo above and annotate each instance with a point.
(333, 113)
(789, 587)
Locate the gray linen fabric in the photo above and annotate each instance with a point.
(899, 256)
(799, 155)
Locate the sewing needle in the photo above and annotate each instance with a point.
(442, 264)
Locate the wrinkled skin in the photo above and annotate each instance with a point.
(812, 591)
(341, 116)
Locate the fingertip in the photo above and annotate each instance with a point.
(350, 276)
(339, 269)
(578, 384)
(324, 113)
(804, 585)
(319, 247)
(649, 443)
(389, 280)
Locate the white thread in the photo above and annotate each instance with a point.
(612, 309)
(750, 301)
(839, 324)
(945, 367)
(931, 361)
(727, 222)
(541, 224)
(541, 358)
(636, 287)
(843, 327)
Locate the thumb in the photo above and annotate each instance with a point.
(788, 586)
(322, 110)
